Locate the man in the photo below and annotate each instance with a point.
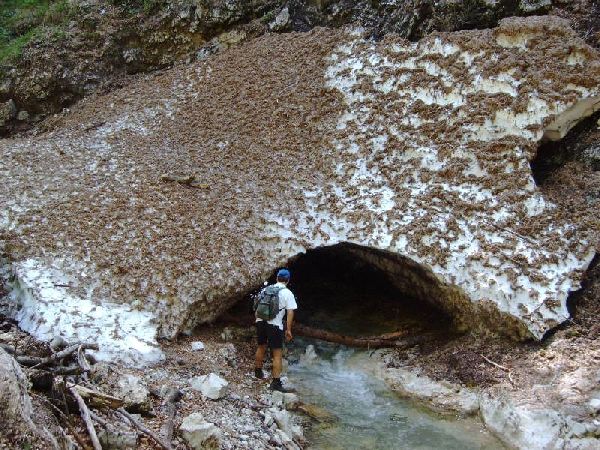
(271, 332)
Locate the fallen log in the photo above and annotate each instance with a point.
(385, 340)
(73, 369)
(95, 398)
(85, 415)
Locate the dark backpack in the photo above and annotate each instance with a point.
(266, 304)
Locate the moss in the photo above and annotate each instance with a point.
(12, 49)
(21, 21)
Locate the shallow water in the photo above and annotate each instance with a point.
(370, 415)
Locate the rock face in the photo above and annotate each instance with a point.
(16, 411)
(417, 154)
(53, 72)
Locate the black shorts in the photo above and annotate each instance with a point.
(269, 334)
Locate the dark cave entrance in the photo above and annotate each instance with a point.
(338, 290)
(580, 144)
(359, 291)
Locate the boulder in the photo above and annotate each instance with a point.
(200, 434)
(290, 400)
(523, 425)
(113, 439)
(285, 421)
(211, 385)
(133, 390)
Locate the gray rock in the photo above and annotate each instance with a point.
(534, 6)
(277, 398)
(114, 439)
(197, 346)
(211, 385)
(58, 343)
(23, 116)
(290, 400)
(281, 22)
(135, 393)
(594, 405)
(100, 372)
(200, 434)
(285, 422)
(437, 395)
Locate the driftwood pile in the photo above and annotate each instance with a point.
(62, 381)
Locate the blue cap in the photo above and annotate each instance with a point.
(283, 273)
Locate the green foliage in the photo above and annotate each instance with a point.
(23, 20)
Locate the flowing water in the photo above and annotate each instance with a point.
(369, 415)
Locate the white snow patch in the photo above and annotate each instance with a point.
(39, 300)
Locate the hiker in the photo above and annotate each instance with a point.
(271, 305)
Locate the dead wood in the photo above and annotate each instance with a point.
(83, 362)
(73, 369)
(385, 340)
(8, 349)
(66, 421)
(95, 398)
(504, 368)
(143, 429)
(173, 396)
(85, 415)
(56, 357)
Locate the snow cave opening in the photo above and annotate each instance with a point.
(359, 291)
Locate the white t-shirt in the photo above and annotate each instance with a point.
(286, 301)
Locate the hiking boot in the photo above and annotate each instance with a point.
(258, 373)
(276, 385)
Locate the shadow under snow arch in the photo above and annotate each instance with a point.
(358, 290)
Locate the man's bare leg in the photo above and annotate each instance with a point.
(260, 356)
(276, 362)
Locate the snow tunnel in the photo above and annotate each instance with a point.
(360, 291)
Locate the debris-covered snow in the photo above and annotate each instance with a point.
(301, 140)
(39, 300)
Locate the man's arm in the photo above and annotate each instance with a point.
(288, 328)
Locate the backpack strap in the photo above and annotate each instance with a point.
(279, 289)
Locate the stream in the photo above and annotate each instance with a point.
(370, 416)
